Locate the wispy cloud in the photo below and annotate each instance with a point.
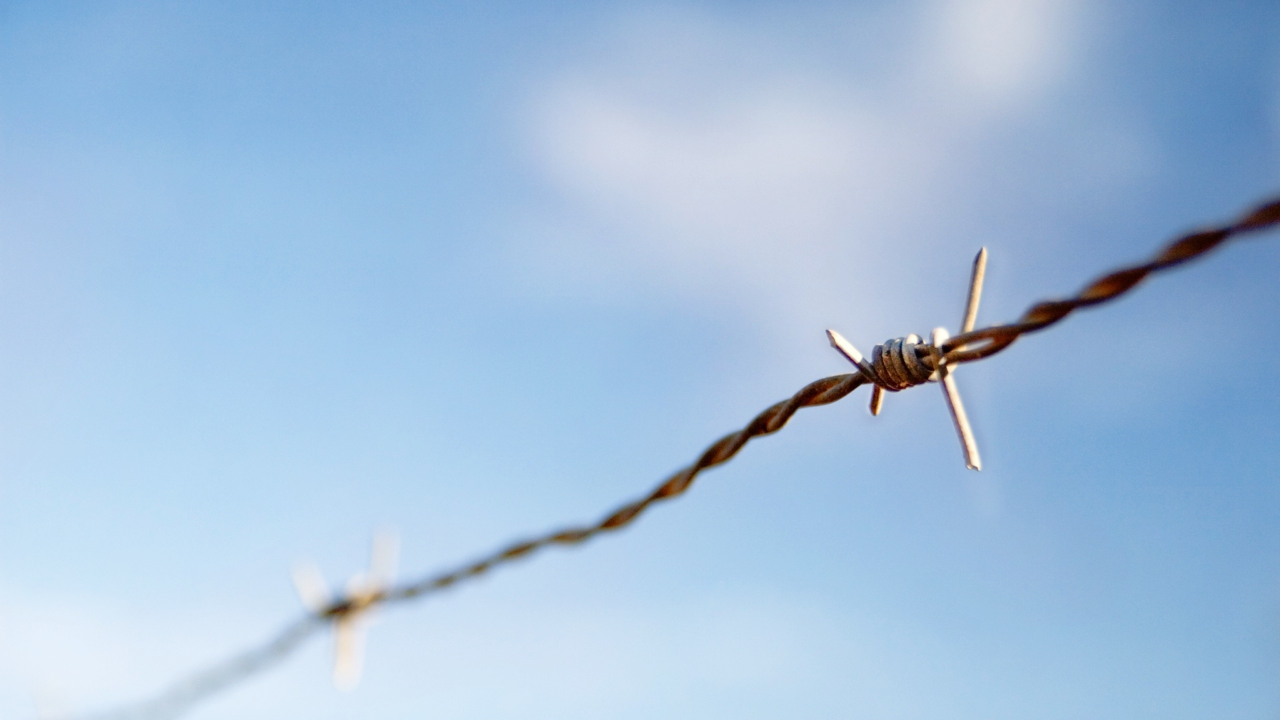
(732, 163)
(1006, 51)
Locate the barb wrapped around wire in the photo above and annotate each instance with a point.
(906, 362)
(896, 365)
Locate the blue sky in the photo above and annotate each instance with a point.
(275, 275)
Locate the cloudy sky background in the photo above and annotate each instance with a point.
(275, 275)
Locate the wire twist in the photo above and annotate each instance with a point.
(822, 392)
(897, 364)
(1108, 287)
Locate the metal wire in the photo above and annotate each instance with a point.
(183, 695)
(1108, 287)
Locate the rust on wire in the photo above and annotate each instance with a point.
(181, 696)
(1108, 287)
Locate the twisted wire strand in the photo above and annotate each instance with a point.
(822, 392)
(1108, 287)
(893, 366)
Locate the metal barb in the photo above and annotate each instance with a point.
(975, 292)
(351, 612)
(850, 353)
(959, 418)
(877, 399)
(883, 375)
(951, 392)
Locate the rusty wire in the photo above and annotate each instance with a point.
(183, 695)
(1108, 287)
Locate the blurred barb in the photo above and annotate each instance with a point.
(365, 593)
(351, 614)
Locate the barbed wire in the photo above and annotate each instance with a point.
(1108, 287)
(182, 695)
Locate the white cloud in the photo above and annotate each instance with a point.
(1005, 49)
(732, 164)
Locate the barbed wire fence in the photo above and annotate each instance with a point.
(895, 365)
